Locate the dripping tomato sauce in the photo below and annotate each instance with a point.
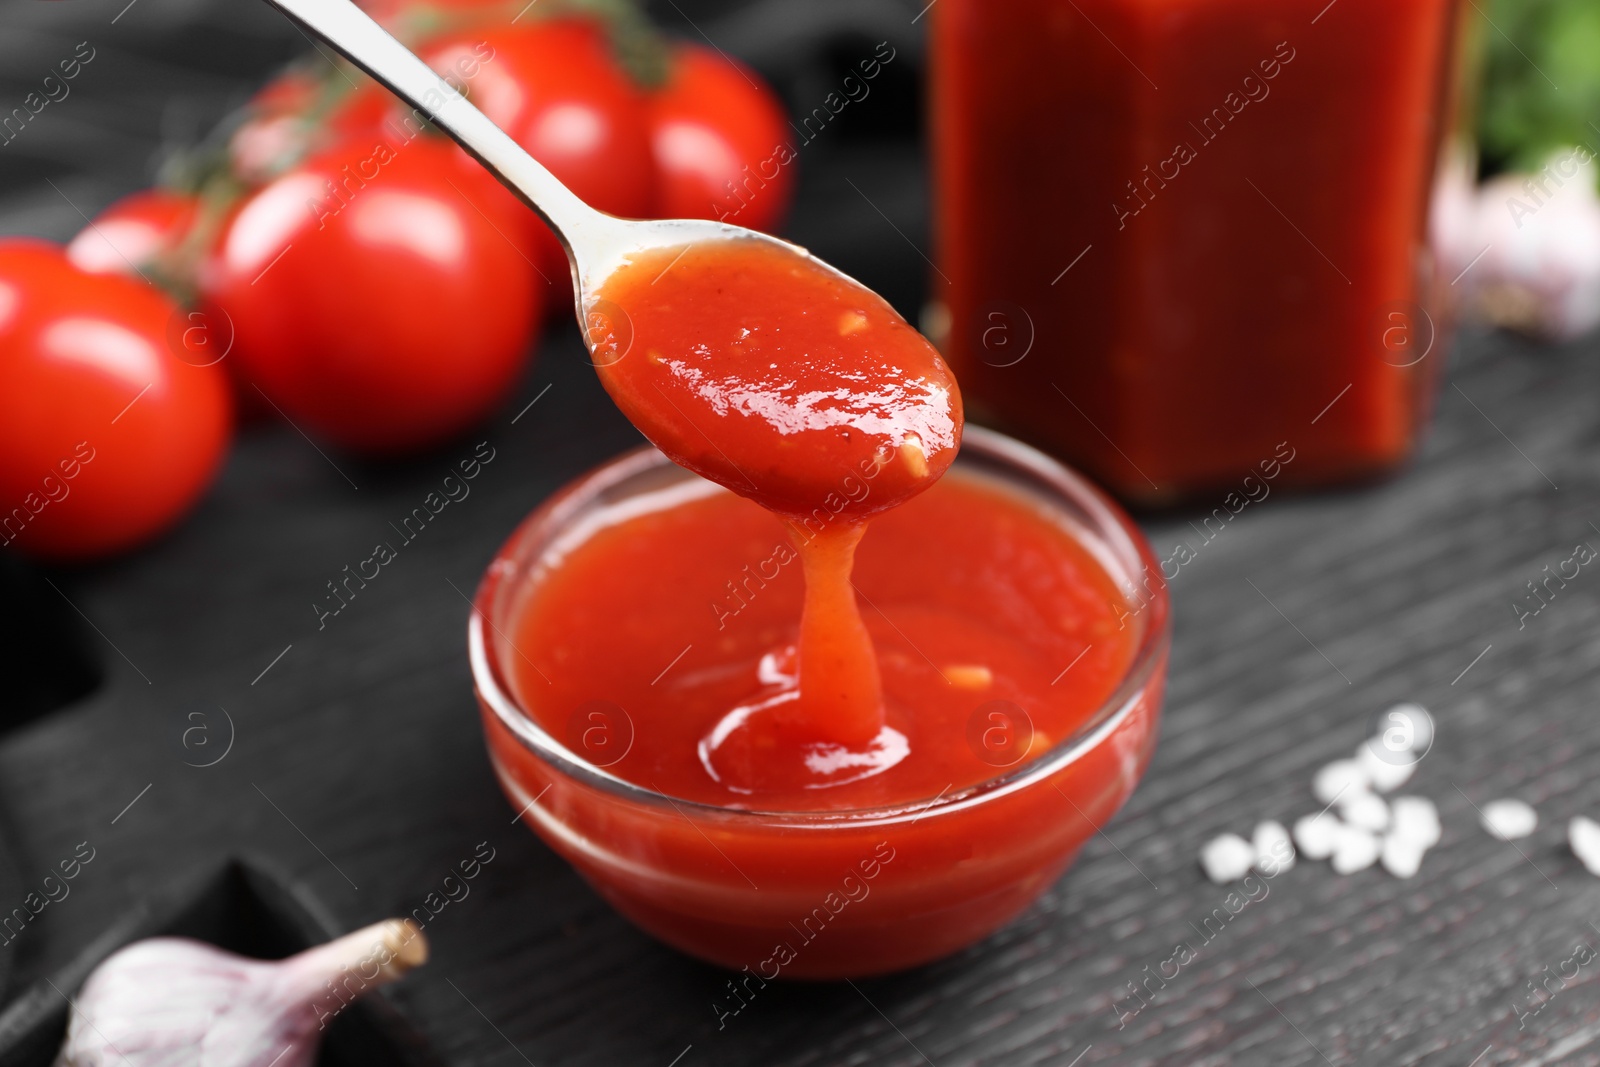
(758, 367)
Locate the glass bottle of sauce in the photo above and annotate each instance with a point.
(1180, 238)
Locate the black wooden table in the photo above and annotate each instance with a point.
(356, 777)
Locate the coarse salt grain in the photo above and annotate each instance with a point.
(1401, 857)
(1416, 820)
(1227, 858)
(1365, 810)
(1509, 819)
(1412, 719)
(1317, 835)
(1274, 851)
(1385, 775)
(1356, 851)
(1583, 834)
(1339, 778)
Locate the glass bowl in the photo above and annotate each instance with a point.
(836, 893)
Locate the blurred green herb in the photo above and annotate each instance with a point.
(1541, 80)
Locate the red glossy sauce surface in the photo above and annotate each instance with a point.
(1247, 187)
(768, 372)
(665, 620)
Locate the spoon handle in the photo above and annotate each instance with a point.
(369, 46)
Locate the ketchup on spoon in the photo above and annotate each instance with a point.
(768, 372)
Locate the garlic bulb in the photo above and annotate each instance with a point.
(1527, 249)
(170, 1000)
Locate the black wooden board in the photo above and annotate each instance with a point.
(356, 766)
(237, 906)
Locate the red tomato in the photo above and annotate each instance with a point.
(555, 88)
(364, 108)
(133, 232)
(280, 129)
(721, 142)
(107, 436)
(375, 295)
(276, 126)
(291, 92)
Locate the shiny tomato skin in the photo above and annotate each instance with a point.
(721, 144)
(133, 232)
(106, 436)
(528, 233)
(280, 129)
(363, 108)
(374, 294)
(554, 86)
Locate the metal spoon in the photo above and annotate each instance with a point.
(596, 243)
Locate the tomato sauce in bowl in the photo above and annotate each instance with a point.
(1022, 653)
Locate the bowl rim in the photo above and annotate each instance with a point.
(1126, 540)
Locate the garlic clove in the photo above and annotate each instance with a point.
(168, 1000)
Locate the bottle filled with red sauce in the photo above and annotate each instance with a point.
(814, 697)
(1174, 233)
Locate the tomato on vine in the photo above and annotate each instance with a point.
(377, 297)
(134, 233)
(299, 112)
(721, 142)
(107, 436)
(554, 86)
